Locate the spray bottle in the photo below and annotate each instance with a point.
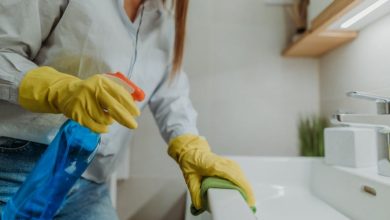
(61, 165)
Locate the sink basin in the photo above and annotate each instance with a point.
(303, 189)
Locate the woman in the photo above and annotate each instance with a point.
(51, 54)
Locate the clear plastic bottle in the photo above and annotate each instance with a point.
(62, 164)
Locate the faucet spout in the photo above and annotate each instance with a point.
(381, 121)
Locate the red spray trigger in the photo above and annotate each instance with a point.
(136, 92)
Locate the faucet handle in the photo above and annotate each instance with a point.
(368, 96)
(382, 103)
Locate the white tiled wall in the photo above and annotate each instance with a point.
(362, 65)
(248, 98)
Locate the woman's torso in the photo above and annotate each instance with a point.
(97, 37)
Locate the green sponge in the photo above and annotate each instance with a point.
(215, 182)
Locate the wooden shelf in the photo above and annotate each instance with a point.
(318, 41)
(314, 44)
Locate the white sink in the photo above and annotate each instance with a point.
(303, 189)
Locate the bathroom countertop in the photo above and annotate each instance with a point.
(368, 172)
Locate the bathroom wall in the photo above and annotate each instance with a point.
(363, 65)
(248, 98)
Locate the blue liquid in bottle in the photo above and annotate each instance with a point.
(62, 164)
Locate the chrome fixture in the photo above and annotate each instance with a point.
(380, 120)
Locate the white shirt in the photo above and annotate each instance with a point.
(82, 38)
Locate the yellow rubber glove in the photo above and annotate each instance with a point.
(196, 161)
(94, 102)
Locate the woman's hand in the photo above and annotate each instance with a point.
(196, 161)
(94, 102)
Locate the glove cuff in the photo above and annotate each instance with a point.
(182, 144)
(38, 87)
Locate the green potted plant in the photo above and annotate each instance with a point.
(311, 135)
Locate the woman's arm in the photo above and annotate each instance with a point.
(172, 107)
(95, 102)
(176, 118)
(24, 26)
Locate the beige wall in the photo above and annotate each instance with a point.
(248, 98)
(362, 65)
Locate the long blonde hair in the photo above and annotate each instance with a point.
(181, 8)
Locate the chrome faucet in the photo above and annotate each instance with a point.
(380, 120)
